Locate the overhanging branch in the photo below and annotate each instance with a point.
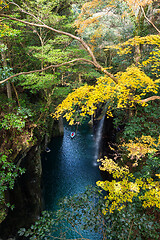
(150, 99)
(86, 47)
(150, 20)
(44, 69)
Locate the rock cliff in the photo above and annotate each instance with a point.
(27, 193)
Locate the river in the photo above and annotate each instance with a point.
(70, 166)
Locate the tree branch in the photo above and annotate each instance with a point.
(28, 13)
(44, 69)
(94, 61)
(150, 99)
(150, 20)
(54, 30)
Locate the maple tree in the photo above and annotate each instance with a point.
(43, 25)
(133, 87)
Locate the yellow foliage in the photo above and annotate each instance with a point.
(97, 34)
(153, 62)
(74, 103)
(126, 47)
(113, 168)
(5, 30)
(3, 4)
(127, 187)
(86, 17)
(141, 146)
(133, 85)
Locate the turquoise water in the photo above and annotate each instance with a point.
(70, 167)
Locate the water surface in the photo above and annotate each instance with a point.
(70, 166)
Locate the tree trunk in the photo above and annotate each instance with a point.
(9, 92)
(137, 54)
(80, 79)
(8, 85)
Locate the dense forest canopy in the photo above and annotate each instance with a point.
(70, 58)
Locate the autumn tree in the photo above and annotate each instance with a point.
(123, 90)
(133, 90)
(135, 168)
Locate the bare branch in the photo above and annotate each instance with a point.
(150, 99)
(44, 69)
(94, 61)
(54, 30)
(150, 20)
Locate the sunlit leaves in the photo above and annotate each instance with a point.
(74, 104)
(36, 82)
(126, 47)
(3, 4)
(126, 187)
(142, 146)
(113, 168)
(7, 31)
(153, 62)
(133, 85)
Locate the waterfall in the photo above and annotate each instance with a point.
(98, 140)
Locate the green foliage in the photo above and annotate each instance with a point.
(36, 82)
(145, 121)
(120, 63)
(131, 223)
(5, 72)
(84, 212)
(8, 173)
(150, 168)
(16, 120)
(60, 93)
(42, 229)
(50, 54)
(11, 120)
(7, 31)
(120, 118)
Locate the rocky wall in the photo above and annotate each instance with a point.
(27, 193)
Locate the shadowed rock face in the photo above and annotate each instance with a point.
(26, 196)
(108, 137)
(27, 193)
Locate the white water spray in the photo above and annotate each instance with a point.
(98, 140)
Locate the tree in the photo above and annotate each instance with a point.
(94, 62)
(6, 32)
(128, 90)
(43, 25)
(87, 212)
(9, 93)
(9, 171)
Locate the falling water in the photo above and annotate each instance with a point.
(98, 140)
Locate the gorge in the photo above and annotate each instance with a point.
(66, 170)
